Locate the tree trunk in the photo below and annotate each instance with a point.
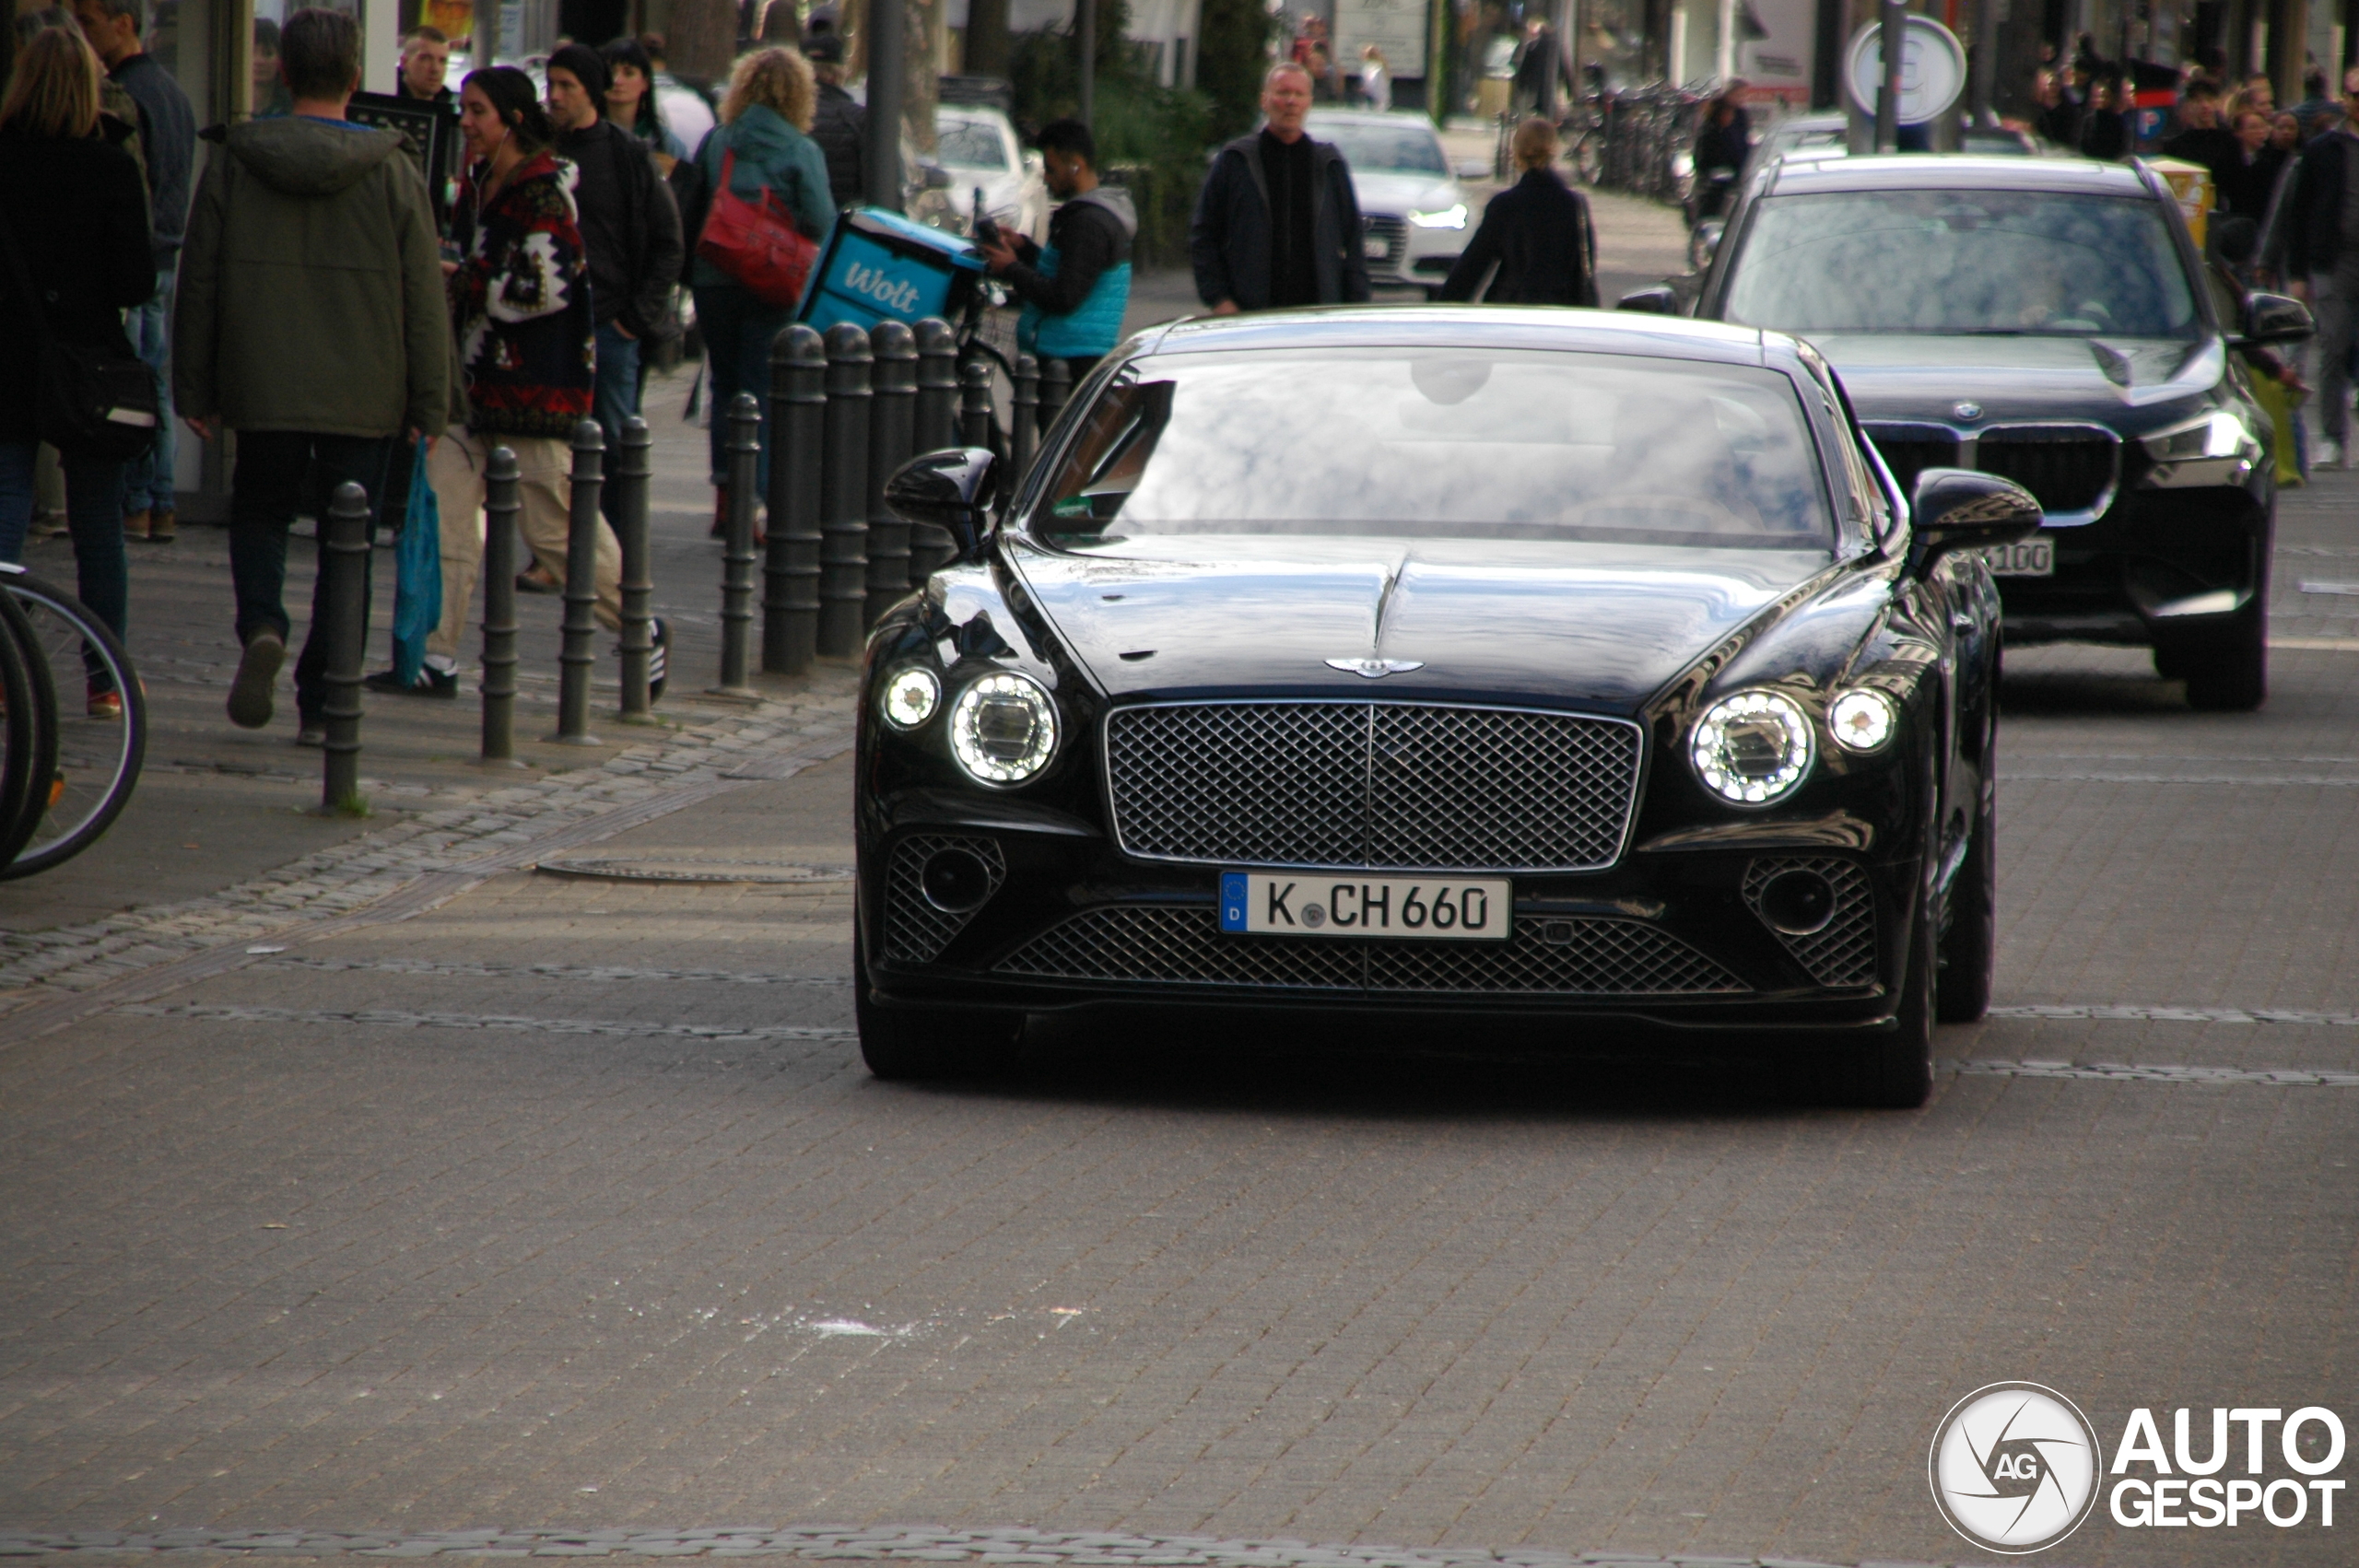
(703, 40)
(987, 41)
(921, 49)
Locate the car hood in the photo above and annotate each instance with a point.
(1403, 192)
(1601, 627)
(1905, 376)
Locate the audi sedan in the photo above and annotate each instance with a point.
(2051, 321)
(1463, 660)
(1414, 216)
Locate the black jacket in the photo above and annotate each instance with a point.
(77, 208)
(168, 141)
(839, 126)
(1228, 238)
(1089, 235)
(1538, 231)
(2313, 223)
(2244, 188)
(2102, 135)
(635, 249)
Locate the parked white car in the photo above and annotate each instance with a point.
(1414, 214)
(978, 149)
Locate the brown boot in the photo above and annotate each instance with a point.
(135, 524)
(163, 525)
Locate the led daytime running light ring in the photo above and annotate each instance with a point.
(1004, 729)
(1753, 748)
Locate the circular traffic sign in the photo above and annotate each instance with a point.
(1932, 69)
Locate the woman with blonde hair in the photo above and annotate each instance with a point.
(761, 140)
(74, 236)
(1536, 232)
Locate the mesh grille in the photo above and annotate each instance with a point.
(1186, 946)
(915, 931)
(1843, 951)
(1359, 785)
(2067, 469)
(1909, 450)
(1391, 230)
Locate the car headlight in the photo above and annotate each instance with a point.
(2217, 434)
(910, 699)
(1448, 218)
(1004, 729)
(1862, 721)
(1752, 748)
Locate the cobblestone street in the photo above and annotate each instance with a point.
(498, 1177)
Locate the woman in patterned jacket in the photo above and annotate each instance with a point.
(520, 302)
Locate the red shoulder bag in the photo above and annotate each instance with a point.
(757, 242)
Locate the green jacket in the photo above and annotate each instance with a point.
(311, 288)
(770, 153)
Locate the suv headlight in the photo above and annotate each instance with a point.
(1752, 748)
(1004, 729)
(1448, 218)
(2217, 448)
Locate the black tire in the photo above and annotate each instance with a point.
(927, 1042)
(92, 783)
(2231, 677)
(1893, 1069)
(1969, 940)
(2171, 663)
(28, 730)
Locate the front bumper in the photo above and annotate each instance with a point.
(1066, 921)
(1413, 257)
(2160, 567)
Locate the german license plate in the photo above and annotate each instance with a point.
(2024, 558)
(1289, 904)
(1375, 249)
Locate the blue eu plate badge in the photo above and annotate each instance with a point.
(1233, 893)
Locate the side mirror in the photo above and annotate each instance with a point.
(1660, 300)
(951, 489)
(2275, 317)
(1958, 508)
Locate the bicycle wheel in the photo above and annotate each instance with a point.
(101, 742)
(30, 731)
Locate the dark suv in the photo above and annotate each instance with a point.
(2051, 322)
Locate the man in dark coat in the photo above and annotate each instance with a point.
(1277, 222)
(838, 124)
(1537, 232)
(2322, 264)
(630, 227)
(2203, 139)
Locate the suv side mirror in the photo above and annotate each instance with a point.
(1660, 300)
(1958, 508)
(2275, 317)
(951, 489)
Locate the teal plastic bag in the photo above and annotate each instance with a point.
(417, 587)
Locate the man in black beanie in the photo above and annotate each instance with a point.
(630, 226)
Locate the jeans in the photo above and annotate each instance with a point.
(737, 333)
(94, 517)
(147, 481)
(617, 395)
(279, 474)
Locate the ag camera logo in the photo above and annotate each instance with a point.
(2015, 1468)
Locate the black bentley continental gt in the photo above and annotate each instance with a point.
(1480, 660)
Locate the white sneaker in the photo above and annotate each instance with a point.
(2327, 456)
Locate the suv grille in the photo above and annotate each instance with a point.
(1157, 945)
(1909, 450)
(1370, 786)
(2068, 468)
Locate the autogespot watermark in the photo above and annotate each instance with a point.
(2016, 1468)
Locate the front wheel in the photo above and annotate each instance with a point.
(1969, 938)
(2231, 677)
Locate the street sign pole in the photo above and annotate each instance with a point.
(1895, 21)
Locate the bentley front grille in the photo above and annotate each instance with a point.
(1371, 785)
(2068, 468)
(917, 927)
(1162, 946)
(1842, 952)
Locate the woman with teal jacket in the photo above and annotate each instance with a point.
(763, 119)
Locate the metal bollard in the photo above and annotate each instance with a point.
(1024, 428)
(738, 552)
(791, 562)
(1056, 387)
(975, 404)
(891, 423)
(632, 469)
(344, 556)
(843, 494)
(577, 655)
(937, 385)
(501, 506)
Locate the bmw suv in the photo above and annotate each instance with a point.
(2054, 322)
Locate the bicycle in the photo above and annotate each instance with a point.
(27, 727)
(91, 763)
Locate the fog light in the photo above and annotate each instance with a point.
(955, 881)
(1798, 903)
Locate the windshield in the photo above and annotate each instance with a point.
(1443, 444)
(971, 144)
(1961, 261)
(1387, 150)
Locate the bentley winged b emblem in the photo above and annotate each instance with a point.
(1376, 669)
